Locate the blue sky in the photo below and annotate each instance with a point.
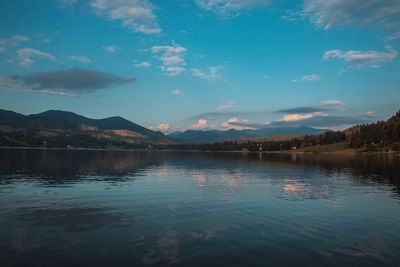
(203, 64)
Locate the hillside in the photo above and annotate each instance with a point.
(56, 128)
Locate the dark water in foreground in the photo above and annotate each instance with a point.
(120, 208)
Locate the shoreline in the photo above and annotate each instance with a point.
(347, 152)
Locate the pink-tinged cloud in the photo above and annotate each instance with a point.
(162, 127)
(298, 117)
(332, 102)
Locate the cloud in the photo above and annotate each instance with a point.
(309, 78)
(266, 76)
(14, 40)
(332, 102)
(2, 50)
(368, 114)
(298, 117)
(46, 40)
(143, 64)
(328, 14)
(137, 15)
(394, 36)
(361, 58)
(212, 75)
(65, 3)
(229, 105)
(172, 58)
(202, 125)
(69, 82)
(176, 92)
(301, 110)
(230, 7)
(25, 56)
(235, 123)
(79, 58)
(162, 127)
(112, 48)
(321, 121)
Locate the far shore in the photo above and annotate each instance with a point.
(316, 151)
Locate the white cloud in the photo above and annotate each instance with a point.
(230, 104)
(162, 127)
(26, 55)
(172, 58)
(328, 14)
(79, 58)
(14, 40)
(298, 117)
(332, 102)
(309, 78)
(213, 73)
(176, 92)
(235, 123)
(230, 7)
(137, 15)
(143, 64)
(360, 58)
(112, 48)
(266, 76)
(202, 125)
(173, 71)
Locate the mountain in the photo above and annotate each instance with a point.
(59, 128)
(213, 136)
(111, 123)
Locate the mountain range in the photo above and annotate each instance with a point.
(63, 128)
(213, 136)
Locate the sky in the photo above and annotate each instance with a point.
(203, 64)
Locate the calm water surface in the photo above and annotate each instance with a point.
(122, 208)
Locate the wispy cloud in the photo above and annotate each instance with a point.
(25, 56)
(137, 15)
(176, 92)
(14, 40)
(301, 110)
(308, 78)
(79, 58)
(143, 64)
(230, 7)
(172, 58)
(229, 105)
(360, 58)
(332, 102)
(69, 82)
(212, 74)
(266, 76)
(328, 14)
(112, 48)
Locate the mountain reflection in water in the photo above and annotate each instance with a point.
(99, 208)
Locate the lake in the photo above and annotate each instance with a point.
(138, 208)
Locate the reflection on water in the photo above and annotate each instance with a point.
(101, 208)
